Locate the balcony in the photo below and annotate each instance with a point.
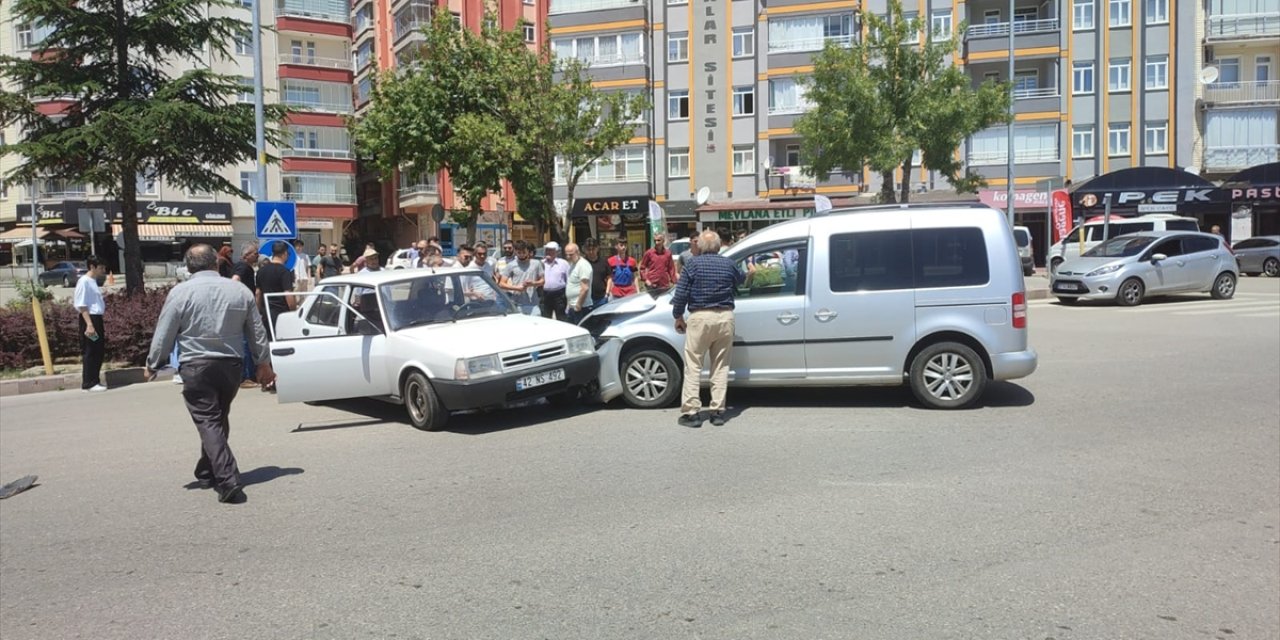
(1231, 159)
(317, 142)
(1001, 157)
(1037, 92)
(51, 189)
(1242, 26)
(1020, 27)
(422, 185)
(579, 6)
(808, 44)
(326, 10)
(322, 62)
(1220, 93)
(329, 97)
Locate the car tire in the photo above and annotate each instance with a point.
(1251, 274)
(1054, 264)
(651, 378)
(1271, 267)
(1130, 292)
(1067, 301)
(422, 404)
(1028, 272)
(66, 281)
(1224, 286)
(948, 375)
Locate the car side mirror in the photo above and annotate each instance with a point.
(366, 328)
(1159, 257)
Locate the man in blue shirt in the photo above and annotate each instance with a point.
(707, 289)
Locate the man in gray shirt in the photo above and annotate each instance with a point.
(521, 279)
(210, 318)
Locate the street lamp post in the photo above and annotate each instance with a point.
(259, 115)
(1009, 150)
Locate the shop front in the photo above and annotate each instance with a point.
(751, 215)
(1149, 190)
(1030, 210)
(1254, 194)
(609, 218)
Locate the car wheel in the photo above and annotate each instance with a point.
(1053, 265)
(1251, 274)
(422, 403)
(651, 379)
(1029, 272)
(948, 375)
(1271, 267)
(1224, 286)
(66, 281)
(1130, 293)
(1067, 301)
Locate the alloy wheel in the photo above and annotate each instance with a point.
(647, 378)
(948, 376)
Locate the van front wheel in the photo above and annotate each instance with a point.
(948, 375)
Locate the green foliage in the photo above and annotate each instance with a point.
(133, 113)
(878, 101)
(28, 289)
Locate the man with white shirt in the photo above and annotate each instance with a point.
(556, 276)
(90, 308)
(301, 267)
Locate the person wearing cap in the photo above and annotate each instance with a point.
(358, 264)
(555, 278)
(368, 260)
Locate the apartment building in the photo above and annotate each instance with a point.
(1099, 86)
(388, 35)
(1238, 90)
(306, 64)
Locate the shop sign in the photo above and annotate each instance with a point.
(149, 211)
(622, 205)
(1263, 193)
(315, 223)
(1167, 196)
(48, 213)
(743, 215)
(1022, 198)
(1061, 214)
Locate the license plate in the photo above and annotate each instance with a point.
(539, 379)
(1068, 286)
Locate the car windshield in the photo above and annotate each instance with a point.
(1022, 237)
(442, 298)
(1122, 247)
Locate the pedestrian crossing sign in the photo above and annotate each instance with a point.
(275, 220)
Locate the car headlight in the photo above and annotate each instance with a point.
(580, 344)
(471, 368)
(1111, 268)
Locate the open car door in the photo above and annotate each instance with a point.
(348, 363)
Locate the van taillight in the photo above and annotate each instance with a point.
(1020, 310)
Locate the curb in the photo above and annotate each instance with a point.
(113, 378)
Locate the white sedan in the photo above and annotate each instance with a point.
(435, 340)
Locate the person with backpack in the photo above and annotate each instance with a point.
(622, 272)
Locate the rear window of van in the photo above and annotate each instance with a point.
(920, 259)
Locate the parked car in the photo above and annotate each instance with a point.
(399, 260)
(1130, 268)
(435, 340)
(1069, 246)
(64, 273)
(930, 296)
(1259, 255)
(1026, 252)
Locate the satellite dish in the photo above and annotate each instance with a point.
(1208, 75)
(437, 213)
(768, 162)
(704, 194)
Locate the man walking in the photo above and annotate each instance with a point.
(522, 278)
(90, 308)
(657, 265)
(210, 318)
(555, 276)
(707, 289)
(577, 289)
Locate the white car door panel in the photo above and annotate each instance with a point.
(332, 367)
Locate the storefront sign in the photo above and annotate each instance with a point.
(1022, 198)
(740, 215)
(1157, 208)
(1061, 211)
(48, 213)
(622, 205)
(315, 223)
(149, 212)
(1167, 196)
(1264, 193)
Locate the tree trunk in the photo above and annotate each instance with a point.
(133, 276)
(886, 187)
(906, 181)
(560, 231)
(472, 220)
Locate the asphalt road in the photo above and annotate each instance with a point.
(1129, 489)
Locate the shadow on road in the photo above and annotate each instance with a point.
(1146, 302)
(472, 423)
(997, 395)
(256, 476)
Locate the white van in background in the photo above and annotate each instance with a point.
(1069, 246)
(1026, 252)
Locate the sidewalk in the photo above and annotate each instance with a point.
(68, 378)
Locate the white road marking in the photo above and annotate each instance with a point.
(1270, 314)
(1231, 309)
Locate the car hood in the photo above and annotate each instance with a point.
(1084, 264)
(635, 303)
(494, 334)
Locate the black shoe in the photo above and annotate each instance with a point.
(692, 421)
(231, 495)
(717, 419)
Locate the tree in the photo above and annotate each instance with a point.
(131, 114)
(561, 117)
(880, 100)
(448, 110)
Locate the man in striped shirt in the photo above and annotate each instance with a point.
(706, 289)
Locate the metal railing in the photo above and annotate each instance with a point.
(1047, 25)
(1240, 157)
(1242, 25)
(420, 188)
(790, 109)
(575, 6)
(320, 197)
(315, 61)
(615, 59)
(1254, 91)
(1038, 92)
(808, 44)
(985, 158)
(313, 95)
(328, 10)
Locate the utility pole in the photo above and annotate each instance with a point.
(259, 116)
(1012, 98)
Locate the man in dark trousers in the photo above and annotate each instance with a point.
(274, 277)
(90, 309)
(210, 318)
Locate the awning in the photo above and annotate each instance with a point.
(1147, 190)
(1258, 184)
(170, 232)
(21, 233)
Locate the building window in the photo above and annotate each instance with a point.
(810, 33)
(599, 51)
(678, 105)
(1082, 141)
(677, 1)
(249, 183)
(1157, 137)
(1118, 75)
(1228, 71)
(1082, 14)
(146, 185)
(678, 47)
(744, 101)
(914, 35)
(530, 34)
(364, 54)
(1118, 139)
(1157, 11)
(1157, 72)
(1262, 68)
(1082, 78)
(940, 24)
(786, 95)
(744, 161)
(1121, 13)
(1026, 82)
(31, 34)
(792, 155)
(678, 163)
(246, 90)
(744, 42)
(244, 43)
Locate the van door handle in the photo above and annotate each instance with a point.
(825, 315)
(286, 351)
(786, 317)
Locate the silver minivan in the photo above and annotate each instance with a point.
(930, 296)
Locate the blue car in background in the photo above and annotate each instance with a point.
(64, 273)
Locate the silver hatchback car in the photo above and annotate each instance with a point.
(1129, 268)
(1260, 254)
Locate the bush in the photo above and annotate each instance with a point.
(27, 289)
(130, 323)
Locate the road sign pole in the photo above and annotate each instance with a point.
(259, 110)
